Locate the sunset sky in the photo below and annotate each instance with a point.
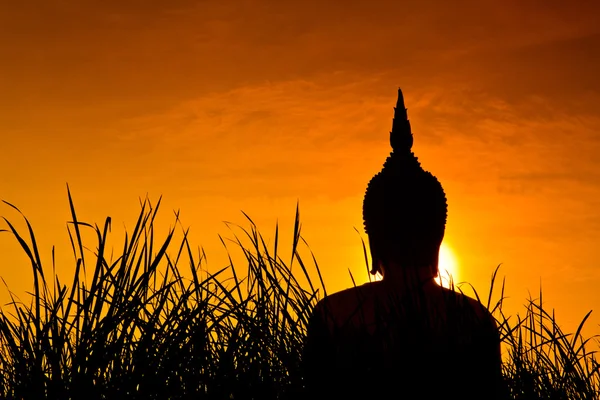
(223, 106)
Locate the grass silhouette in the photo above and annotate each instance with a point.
(152, 323)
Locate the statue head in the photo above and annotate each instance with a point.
(404, 208)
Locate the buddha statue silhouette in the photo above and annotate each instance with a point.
(403, 337)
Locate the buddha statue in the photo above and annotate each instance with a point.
(404, 336)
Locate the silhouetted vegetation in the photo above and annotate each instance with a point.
(152, 323)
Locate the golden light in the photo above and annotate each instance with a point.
(448, 267)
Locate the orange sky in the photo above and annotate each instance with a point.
(222, 106)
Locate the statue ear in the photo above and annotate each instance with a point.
(375, 264)
(435, 262)
(375, 258)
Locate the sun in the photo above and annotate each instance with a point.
(448, 267)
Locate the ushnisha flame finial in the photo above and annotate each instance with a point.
(401, 138)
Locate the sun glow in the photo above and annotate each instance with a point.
(448, 267)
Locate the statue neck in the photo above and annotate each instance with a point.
(407, 278)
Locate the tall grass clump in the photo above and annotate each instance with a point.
(153, 323)
(541, 361)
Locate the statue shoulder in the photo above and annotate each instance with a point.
(468, 307)
(339, 307)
